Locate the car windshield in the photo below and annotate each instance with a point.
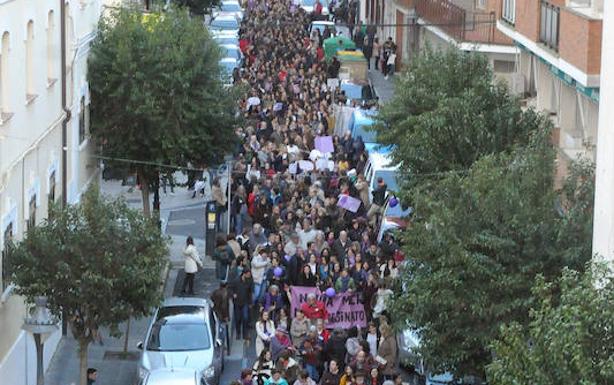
(179, 328)
(389, 177)
(225, 24)
(361, 130)
(227, 40)
(230, 7)
(232, 52)
(228, 67)
(309, 3)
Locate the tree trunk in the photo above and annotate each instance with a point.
(127, 336)
(83, 345)
(145, 193)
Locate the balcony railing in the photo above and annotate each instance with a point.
(456, 22)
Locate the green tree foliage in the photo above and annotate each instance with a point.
(197, 7)
(482, 238)
(569, 340)
(99, 263)
(157, 95)
(447, 113)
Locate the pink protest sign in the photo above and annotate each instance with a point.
(324, 144)
(345, 310)
(349, 203)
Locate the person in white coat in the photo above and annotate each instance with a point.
(265, 330)
(191, 263)
(260, 262)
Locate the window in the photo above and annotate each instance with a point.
(29, 62)
(549, 25)
(31, 213)
(480, 4)
(84, 117)
(504, 66)
(51, 196)
(8, 237)
(4, 76)
(509, 11)
(51, 76)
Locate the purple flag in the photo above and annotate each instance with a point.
(324, 144)
(349, 203)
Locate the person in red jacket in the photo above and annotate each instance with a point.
(314, 309)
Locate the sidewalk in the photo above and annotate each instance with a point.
(64, 367)
(384, 88)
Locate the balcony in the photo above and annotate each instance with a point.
(458, 23)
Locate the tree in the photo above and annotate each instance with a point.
(447, 113)
(197, 7)
(569, 340)
(157, 94)
(479, 242)
(99, 263)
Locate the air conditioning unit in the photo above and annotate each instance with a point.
(518, 84)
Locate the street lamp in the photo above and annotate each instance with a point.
(40, 324)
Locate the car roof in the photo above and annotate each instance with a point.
(360, 113)
(185, 301)
(227, 46)
(382, 161)
(230, 2)
(228, 60)
(172, 376)
(323, 22)
(225, 16)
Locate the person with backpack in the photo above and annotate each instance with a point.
(223, 257)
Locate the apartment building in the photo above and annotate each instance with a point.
(559, 66)
(31, 156)
(470, 25)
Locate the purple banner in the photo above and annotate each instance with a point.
(324, 144)
(345, 310)
(349, 203)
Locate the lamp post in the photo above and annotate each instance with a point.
(40, 324)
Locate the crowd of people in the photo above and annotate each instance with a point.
(288, 229)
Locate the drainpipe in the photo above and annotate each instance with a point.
(64, 123)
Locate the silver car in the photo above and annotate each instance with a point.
(171, 376)
(184, 333)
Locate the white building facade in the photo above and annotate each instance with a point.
(603, 225)
(31, 124)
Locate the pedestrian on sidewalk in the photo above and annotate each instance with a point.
(242, 300)
(223, 257)
(191, 264)
(390, 63)
(92, 375)
(376, 51)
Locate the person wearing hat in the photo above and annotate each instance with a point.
(379, 200)
(280, 342)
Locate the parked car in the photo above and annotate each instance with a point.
(232, 51)
(229, 7)
(359, 124)
(170, 376)
(360, 91)
(225, 22)
(380, 165)
(321, 26)
(394, 218)
(223, 37)
(184, 334)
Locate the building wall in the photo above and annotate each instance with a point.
(31, 142)
(603, 224)
(581, 41)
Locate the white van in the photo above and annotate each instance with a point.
(380, 165)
